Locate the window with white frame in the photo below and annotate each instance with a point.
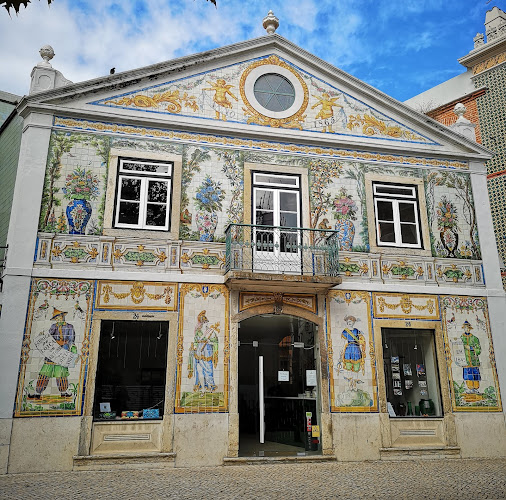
(143, 194)
(397, 215)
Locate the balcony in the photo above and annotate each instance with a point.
(274, 258)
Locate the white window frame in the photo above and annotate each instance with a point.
(145, 178)
(395, 200)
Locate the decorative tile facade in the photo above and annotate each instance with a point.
(54, 356)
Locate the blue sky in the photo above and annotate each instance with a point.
(402, 47)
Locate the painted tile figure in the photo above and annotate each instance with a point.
(472, 349)
(221, 90)
(64, 335)
(203, 356)
(326, 112)
(354, 351)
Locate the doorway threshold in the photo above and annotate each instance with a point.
(278, 460)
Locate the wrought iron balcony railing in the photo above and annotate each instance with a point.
(281, 250)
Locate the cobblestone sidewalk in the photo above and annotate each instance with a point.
(430, 479)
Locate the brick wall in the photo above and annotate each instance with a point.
(445, 115)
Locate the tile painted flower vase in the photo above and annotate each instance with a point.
(345, 234)
(206, 225)
(450, 240)
(447, 219)
(78, 215)
(345, 210)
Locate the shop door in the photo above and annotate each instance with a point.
(276, 201)
(278, 387)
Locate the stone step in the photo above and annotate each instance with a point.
(420, 453)
(278, 460)
(124, 461)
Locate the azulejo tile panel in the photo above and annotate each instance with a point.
(73, 197)
(350, 344)
(203, 349)
(78, 124)
(247, 300)
(146, 296)
(470, 354)
(409, 306)
(222, 94)
(54, 355)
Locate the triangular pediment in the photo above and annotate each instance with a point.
(214, 92)
(226, 94)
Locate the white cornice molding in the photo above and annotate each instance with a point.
(484, 52)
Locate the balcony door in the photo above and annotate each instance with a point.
(276, 215)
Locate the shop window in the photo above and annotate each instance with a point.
(143, 194)
(131, 370)
(411, 374)
(397, 217)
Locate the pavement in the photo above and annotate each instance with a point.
(423, 479)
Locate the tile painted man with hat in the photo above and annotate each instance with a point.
(472, 349)
(64, 335)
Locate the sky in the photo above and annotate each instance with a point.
(401, 47)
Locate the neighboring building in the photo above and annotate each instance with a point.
(249, 231)
(482, 89)
(10, 140)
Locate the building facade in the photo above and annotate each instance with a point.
(245, 253)
(482, 90)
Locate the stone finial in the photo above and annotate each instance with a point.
(463, 126)
(270, 23)
(479, 40)
(47, 53)
(460, 111)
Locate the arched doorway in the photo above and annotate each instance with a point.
(279, 390)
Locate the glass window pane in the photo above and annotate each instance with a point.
(288, 202)
(276, 179)
(157, 191)
(411, 376)
(288, 242)
(285, 101)
(409, 234)
(264, 218)
(156, 215)
(274, 92)
(386, 232)
(128, 213)
(385, 210)
(395, 190)
(158, 168)
(130, 189)
(264, 200)
(407, 212)
(131, 368)
(288, 219)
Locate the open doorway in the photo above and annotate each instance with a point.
(279, 391)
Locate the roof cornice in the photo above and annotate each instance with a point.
(485, 51)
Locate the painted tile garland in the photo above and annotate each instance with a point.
(203, 349)
(55, 349)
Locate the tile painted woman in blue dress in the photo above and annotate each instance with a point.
(354, 350)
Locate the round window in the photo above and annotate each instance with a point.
(274, 92)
